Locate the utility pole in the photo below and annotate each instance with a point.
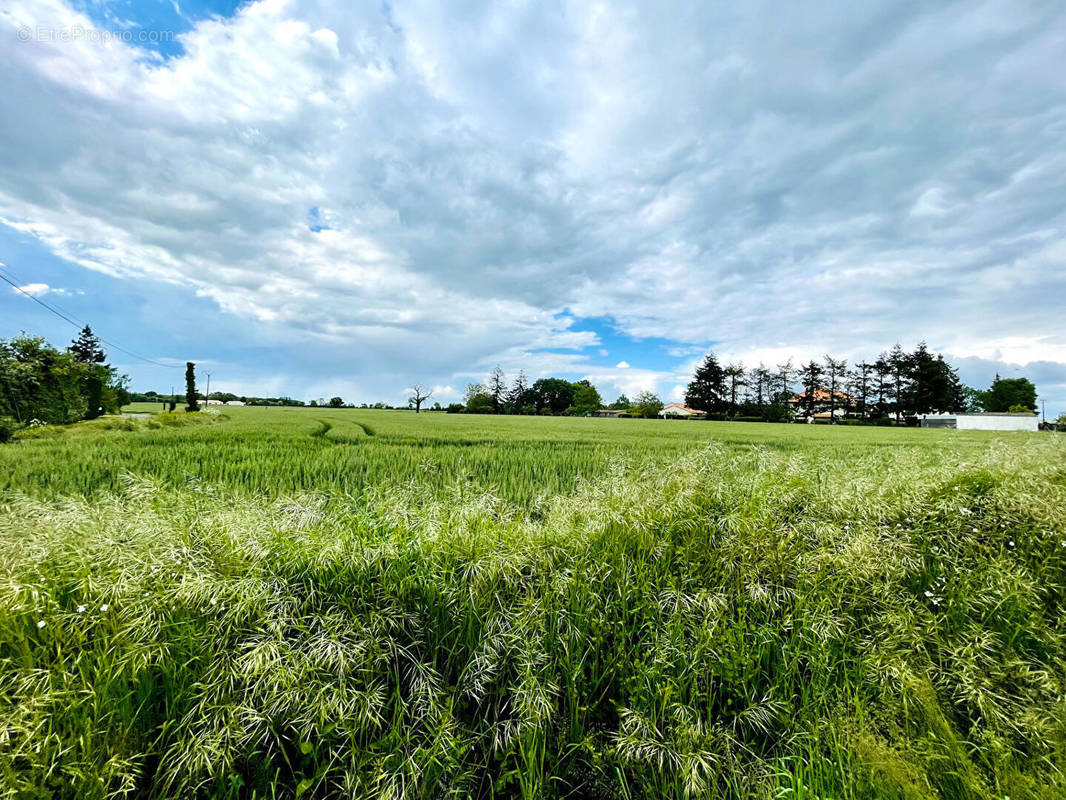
(207, 400)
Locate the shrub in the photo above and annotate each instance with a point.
(545, 412)
(8, 427)
(1019, 409)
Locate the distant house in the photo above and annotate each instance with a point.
(823, 400)
(609, 412)
(678, 410)
(984, 421)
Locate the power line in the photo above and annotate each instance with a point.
(76, 323)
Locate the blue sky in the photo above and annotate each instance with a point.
(313, 199)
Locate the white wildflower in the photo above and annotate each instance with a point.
(40, 623)
(81, 609)
(104, 607)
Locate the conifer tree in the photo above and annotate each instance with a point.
(191, 402)
(706, 391)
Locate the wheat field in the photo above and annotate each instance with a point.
(313, 603)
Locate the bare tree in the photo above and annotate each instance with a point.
(419, 395)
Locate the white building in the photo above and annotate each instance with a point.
(983, 421)
(678, 410)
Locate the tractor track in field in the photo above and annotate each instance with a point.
(338, 438)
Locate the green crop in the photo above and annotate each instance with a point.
(319, 603)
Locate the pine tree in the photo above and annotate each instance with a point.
(497, 388)
(734, 379)
(86, 348)
(706, 391)
(811, 375)
(759, 380)
(835, 370)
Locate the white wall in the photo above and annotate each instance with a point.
(996, 422)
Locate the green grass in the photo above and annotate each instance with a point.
(320, 603)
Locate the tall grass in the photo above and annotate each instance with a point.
(750, 621)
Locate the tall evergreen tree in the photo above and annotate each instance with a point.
(497, 388)
(707, 390)
(835, 372)
(518, 395)
(899, 365)
(191, 401)
(786, 373)
(859, 386)
(811, 376)
(87, 349)
(759, 381)
(734, 380)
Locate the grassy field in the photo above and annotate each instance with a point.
(296, 602)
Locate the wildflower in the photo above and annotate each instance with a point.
(928, 593)
(104, 607)
(40, 623)
(81, 609)
(965, 511)
(1010, 543)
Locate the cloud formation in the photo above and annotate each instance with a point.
(422, 190)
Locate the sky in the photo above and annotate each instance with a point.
(318, 199)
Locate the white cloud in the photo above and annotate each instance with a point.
(34, 289)
(622, 365)
(421, 189)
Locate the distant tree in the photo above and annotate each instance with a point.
(191, 403)
(858, 386)
(811, 376)
(759, 381)
(734, 379)
(497, 386)
(436, 407)
(518, 395)
(480, 404)
(419, 395)
(39, 382)
(973, 400)
(899, 364)
(932, 383)
(104, 390)
(786, 373)
(621, 403)
(647, 405)
(314, 404)
(87, 349)
(835, 372)
(555, 394)
(882, 374)
(472, 390)
(587, 400)
(707, 389)
(336, 402)
(1007, 392)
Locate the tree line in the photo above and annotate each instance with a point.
(40, 384)
(897, 384)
